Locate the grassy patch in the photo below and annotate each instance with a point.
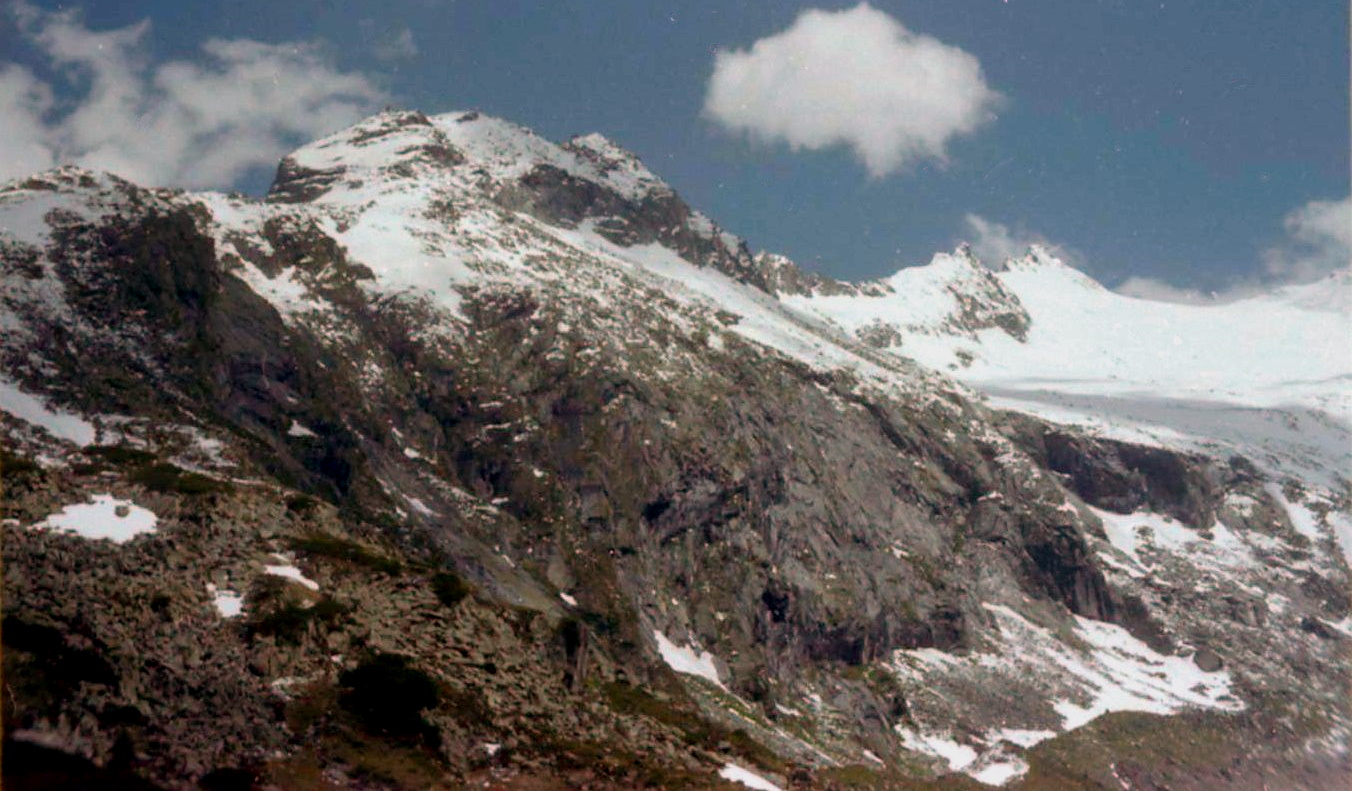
(1080, 758)
(347, 551)
(170, 479)
(280, 614)
(387, 695)
(300, 772)
(310, 705)
(386, 764)
(15, 466)
(616, 763)
(301, 504)
(864, 777)
(450, 588)
(121, 455)
(629, 699)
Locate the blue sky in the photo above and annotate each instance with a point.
(1168, 141)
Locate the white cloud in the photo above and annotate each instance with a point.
(199, 123)
(1160, 291)
(24, 100)
(855, 77)
(994, 242)
(1319, 242)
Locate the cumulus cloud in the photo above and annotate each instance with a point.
(24, 100)
(854, 77)
(1319, 241)
(193, 123)
(994, 242)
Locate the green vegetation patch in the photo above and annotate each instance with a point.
(280, 613)
(328, 546)
(1079, 759)
(122, 455)
(450, 588)
(695, 729)
(169, 479)
(617, 763)
(15, 466)
(388, 695)
(893, 779)
(290, 622)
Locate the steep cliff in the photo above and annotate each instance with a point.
(469, 457)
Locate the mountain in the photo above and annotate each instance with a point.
(469, 458)
(1267, 376)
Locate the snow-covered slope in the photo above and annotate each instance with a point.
(396, 251)
(418, 200)
(1269, 376)
(954, 296)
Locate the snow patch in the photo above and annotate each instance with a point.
(57, 422)
(228, 603)
(1143, 535)
(298, 430)
(1021, 737)
(688, 660)
(105, 517)
(746, 777)
(997, 773)
(957, 755)
(289, 571)
(1113, 671)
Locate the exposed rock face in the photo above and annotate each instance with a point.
(295, 184)
(518, 439)
(1122, 477)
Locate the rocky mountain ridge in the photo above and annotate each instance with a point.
(462, 410)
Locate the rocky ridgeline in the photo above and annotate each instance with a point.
(497, 511)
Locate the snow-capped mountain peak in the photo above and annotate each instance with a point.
(534, 363)
(1042, 262)
(405, 145)
(952, 295)
(616, 165)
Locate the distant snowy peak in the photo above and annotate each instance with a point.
(390, 146)
(952, 295)
(1037, 256)
(1330, 294)
(783, 277)
(1042, 264)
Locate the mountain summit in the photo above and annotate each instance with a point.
(468, 458)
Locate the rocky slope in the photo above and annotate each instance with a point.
(470, 458)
